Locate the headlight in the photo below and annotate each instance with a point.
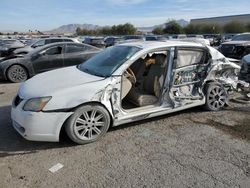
(36, 104)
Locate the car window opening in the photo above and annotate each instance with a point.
(143, 81)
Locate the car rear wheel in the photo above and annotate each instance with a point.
(17, 73)
(88, 124)
(216, 97)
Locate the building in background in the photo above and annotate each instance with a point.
(244, 18)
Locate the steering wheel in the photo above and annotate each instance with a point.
(130, 75)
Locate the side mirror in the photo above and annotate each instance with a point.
(36, 45)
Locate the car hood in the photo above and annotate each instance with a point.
(12, 60)
(50, 82)
(14, 45)
(238, 42)
(24, 49)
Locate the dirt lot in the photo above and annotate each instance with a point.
(192, 148)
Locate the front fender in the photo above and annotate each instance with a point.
(71, 98)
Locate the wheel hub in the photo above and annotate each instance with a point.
(217, 97)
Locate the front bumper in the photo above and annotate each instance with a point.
(38, 126)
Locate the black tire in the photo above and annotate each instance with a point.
(17, 73)
(88, 124)
(216, 97)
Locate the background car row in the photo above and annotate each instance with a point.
(18, 68)
(19, 55)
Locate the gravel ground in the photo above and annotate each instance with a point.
(193, 148)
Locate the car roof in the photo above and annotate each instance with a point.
(244, 33)
(53, 38)
(94, 37)
(147, 45)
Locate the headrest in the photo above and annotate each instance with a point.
(160, 59)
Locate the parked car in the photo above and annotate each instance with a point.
(245, 69)
(24, 40)
(7, 46)
(95, 41)
(196, 39)
(42, 42)
(48, 57)
(238, 47)
(155, 38)
(179, 36)
(134, 37)
(213, 39)
(111, 41)
(195, 36)
(122, 84)
(227, 37)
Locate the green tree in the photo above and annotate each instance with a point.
(234, 27)
(158, 31)
(203, 29)
(105, 31)
(192, 29)
(248, 27)
(129, 29)
(172, 27)
(78, 31)
(210, 29)
(122, 29)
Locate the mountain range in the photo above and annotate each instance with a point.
(71, 28)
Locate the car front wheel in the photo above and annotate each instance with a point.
(88, 124)
(216, 97)
(17, 73)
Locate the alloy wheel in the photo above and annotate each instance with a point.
(217, 97)
(90, 124)
(16, 73)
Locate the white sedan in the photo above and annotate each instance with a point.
(122, 84)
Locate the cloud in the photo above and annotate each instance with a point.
(125, 2)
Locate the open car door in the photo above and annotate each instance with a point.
(190, 69)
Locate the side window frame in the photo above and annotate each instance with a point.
(45, 51)
(202, 61)
(75, 45)
(39, 41)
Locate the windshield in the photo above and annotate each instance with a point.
(243, 37)
(106, 62)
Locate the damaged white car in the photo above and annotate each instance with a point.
(122, 84)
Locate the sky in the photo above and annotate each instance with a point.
(43, 15)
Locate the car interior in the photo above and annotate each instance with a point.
(142, 82)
